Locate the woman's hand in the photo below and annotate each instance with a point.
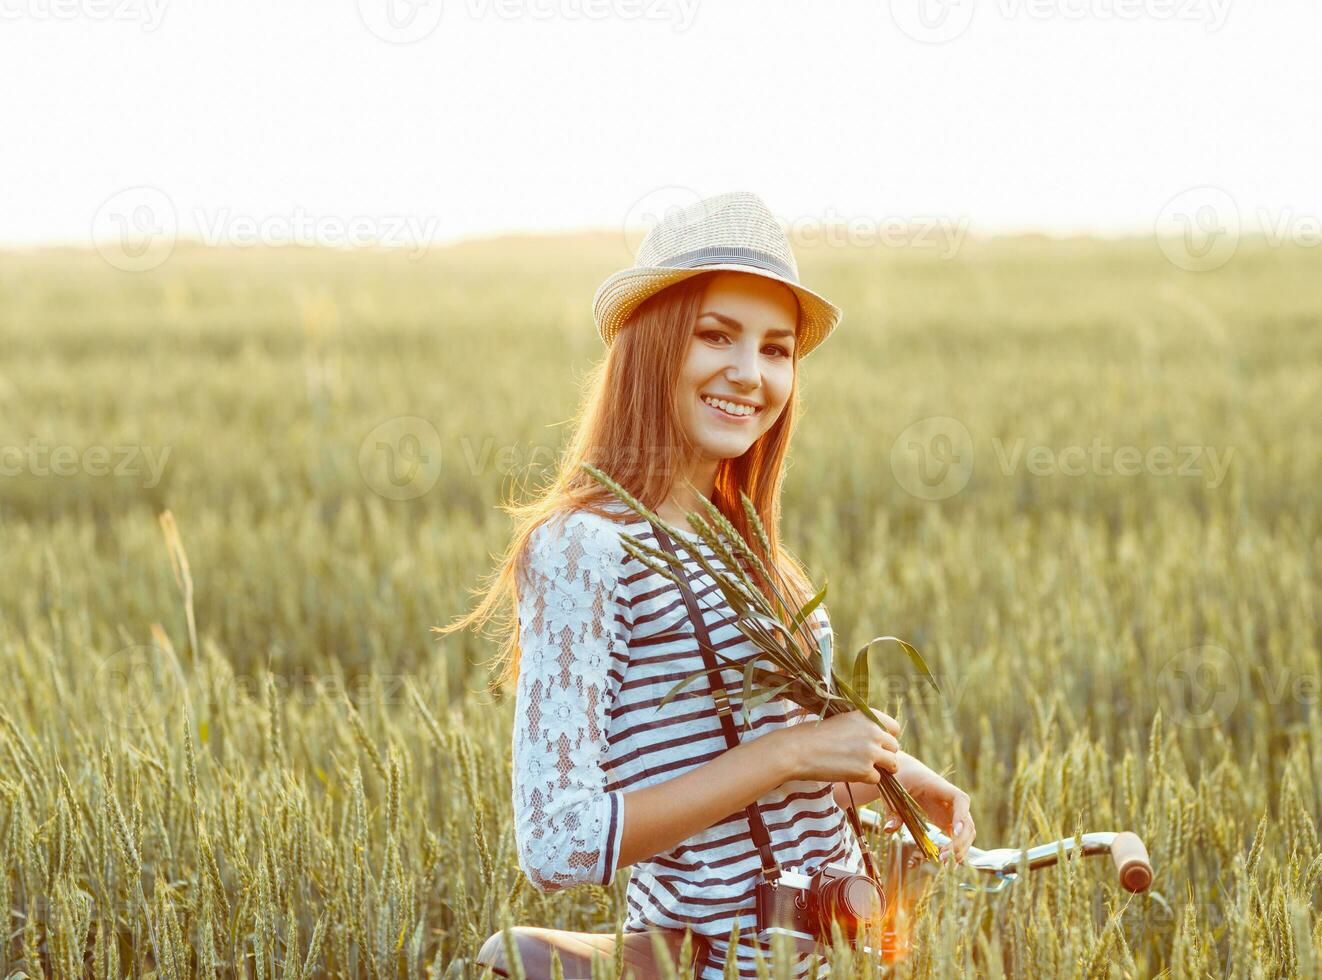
(848, 747)
(945, 804)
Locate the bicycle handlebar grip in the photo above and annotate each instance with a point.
(1132, 862)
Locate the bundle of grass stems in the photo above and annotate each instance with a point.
(779, 630)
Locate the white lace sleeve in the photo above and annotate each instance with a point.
(568, 828)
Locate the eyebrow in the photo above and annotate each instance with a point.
(734, 324)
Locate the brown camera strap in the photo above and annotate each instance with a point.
(770, 869)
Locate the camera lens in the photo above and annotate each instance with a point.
(854, 897)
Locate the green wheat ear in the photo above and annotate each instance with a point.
(632, 502)
(756, 523)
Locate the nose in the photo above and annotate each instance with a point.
(743, 369)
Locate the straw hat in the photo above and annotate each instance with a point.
(734, 231)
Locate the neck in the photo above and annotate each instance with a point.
(699, 478)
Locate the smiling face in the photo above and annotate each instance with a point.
(738, 372)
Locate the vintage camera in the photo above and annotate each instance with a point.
(802, 907)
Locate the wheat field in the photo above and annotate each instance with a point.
(239, 490)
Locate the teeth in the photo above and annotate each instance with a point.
(730, 408)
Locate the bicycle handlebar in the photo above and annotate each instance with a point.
(1132, 863)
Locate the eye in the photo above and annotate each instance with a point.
(783, 351)
(712, 333)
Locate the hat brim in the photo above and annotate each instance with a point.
(622, 293)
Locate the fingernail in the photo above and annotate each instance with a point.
(958, 827)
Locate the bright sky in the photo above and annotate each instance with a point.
(247, 117)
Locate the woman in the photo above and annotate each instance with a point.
(697, 394)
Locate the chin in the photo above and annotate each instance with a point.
(725, 448)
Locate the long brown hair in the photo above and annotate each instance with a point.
(627, 426)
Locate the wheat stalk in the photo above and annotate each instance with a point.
(778, 636)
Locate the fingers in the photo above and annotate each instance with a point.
(965, 831)
(887, 722)
(887, 761)
(873, 749)
(962, 830)
(873, 766)
(885, 747)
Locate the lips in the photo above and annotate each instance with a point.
(729, 409)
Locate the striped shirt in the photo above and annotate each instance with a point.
(603, 639)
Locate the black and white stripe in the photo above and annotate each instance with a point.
(707, 882)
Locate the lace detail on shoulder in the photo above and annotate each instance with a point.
(567, 827)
